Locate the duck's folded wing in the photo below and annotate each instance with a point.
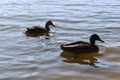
(78, 43)
(75, 45)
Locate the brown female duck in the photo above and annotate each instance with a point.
(37, 30)
(81, 46)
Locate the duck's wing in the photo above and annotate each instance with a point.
(78, 43)
(38, 29)
(75, 46)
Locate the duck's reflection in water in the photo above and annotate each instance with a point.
(47, 35)
(86, 59)
(36, 35)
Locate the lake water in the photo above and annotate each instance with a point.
(38, 58)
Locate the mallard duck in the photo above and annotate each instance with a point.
(81, 46)
(37, 30)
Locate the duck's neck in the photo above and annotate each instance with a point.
(92, 41)
(47, 27)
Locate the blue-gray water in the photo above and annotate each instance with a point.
(38, 58)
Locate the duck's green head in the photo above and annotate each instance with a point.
(95, 37)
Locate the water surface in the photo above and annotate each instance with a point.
(38, 58)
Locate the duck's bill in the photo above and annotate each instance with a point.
(102, 40)
(53, 25)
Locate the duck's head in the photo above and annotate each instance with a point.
(93, 38)
(50, 23)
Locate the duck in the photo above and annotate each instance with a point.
(37, 30)
(82, 46)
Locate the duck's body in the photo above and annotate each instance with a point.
(81, 46)
(37, 30)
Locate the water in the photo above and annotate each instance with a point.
(38, 58)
